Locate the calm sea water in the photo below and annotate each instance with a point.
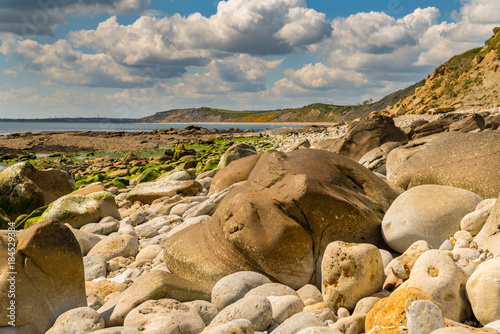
(12, 127)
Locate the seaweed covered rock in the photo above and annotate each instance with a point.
(280, 222)
(23, 188)
(78, 210)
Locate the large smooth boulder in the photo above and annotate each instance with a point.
(437, 274)
(280, 222)
(483, 289)
(489, 236)
(350, 273)
(463, 160)
(23, 188)
(237, 171)
(432, 213)
(366, 135)
(49, 277)
(147, 192)
(235, 152)
(78, 210)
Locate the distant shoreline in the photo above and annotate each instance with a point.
(187, 123)
(247, 123)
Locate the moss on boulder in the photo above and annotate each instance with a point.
(23, 188)
(79, 210)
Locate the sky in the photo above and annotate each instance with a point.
(133, 58)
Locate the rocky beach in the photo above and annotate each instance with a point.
(382, 225)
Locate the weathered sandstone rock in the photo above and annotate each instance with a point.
(436, 273)
(80, 320)
(50, 277)
(164, 316)
(298, 208)
(389, 314)
(350, 273)
(235, 152)
(367, 135)
(463, 160)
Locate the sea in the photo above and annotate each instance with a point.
(13, 127)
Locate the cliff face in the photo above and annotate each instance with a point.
(469, 80)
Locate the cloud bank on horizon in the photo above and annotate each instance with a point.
(246, 55)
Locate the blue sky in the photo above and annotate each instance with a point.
(132, 58)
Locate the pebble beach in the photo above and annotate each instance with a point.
(384, 225)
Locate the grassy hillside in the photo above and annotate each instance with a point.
(316, 112)
(469, 80)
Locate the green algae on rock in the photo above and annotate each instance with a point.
(78, 210)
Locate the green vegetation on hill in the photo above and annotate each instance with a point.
(468, 80)
(316, 112)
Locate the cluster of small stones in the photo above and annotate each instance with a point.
(293, 141)
(246, 301)
(133, 246)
